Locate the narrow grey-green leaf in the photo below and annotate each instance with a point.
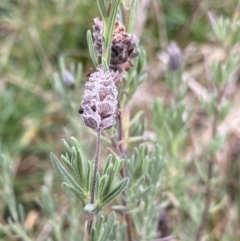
(113, 172)
(21, 214)
(99, 224)
(74, 162)
(63, 173)
(109, 160)
(68, 164)
(140, 194)
(104, 235)
(132, 16)
(108, 32)
(103, 185)
(102, 8)
(67, 148)
(135, 119)
(141, 60)
(81, 163)
(114, 193)
(78, 74)
(48, 203)
(105, 64)
(91, 48)
(76, 191)
(93, 234)
(112, 18)
(116, 170)
(62, 64)
(119, 208)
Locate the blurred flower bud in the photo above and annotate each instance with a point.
(99, 105)
(211, 18)
(97, 34)
(68, 79)
(123, 45)
(175, 57)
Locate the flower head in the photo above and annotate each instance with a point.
(68, 79)
(123, 45)
(175, 57)
(99, 105)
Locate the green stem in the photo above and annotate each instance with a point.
(210, 169)
(97, 153)
(106, 46)
(92, 197)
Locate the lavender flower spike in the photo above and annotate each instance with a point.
(124, 46)
(175, 57)
(99, 105)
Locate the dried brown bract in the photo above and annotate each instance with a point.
(123, 45)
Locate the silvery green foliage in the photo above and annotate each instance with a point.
(67, 78)
(72, 216)
(222, 72)
(118, 231)
(142, 195)
(136, 75)
(223, 27)
(217, 106)
(111, 230)
(101, 230)
(66, 83)
(49, 206)
(77, 175)
(16, 226)
(170, 125)
(111, 51)
(107, 189)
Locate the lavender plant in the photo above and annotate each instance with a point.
(217, 107)
(112, 52)
(216, 101)
(16, 226)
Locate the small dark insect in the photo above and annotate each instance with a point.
(80, 111)
(89, 73)
(118, 114)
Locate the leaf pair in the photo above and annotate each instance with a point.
(77, 175)
(107, 189)
(101, 230)
(74, 173)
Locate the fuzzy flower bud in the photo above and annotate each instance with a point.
(175, 57)
(68, 79)
(123, 45)
(99, 105)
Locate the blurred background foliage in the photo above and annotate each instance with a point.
(36, 112)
